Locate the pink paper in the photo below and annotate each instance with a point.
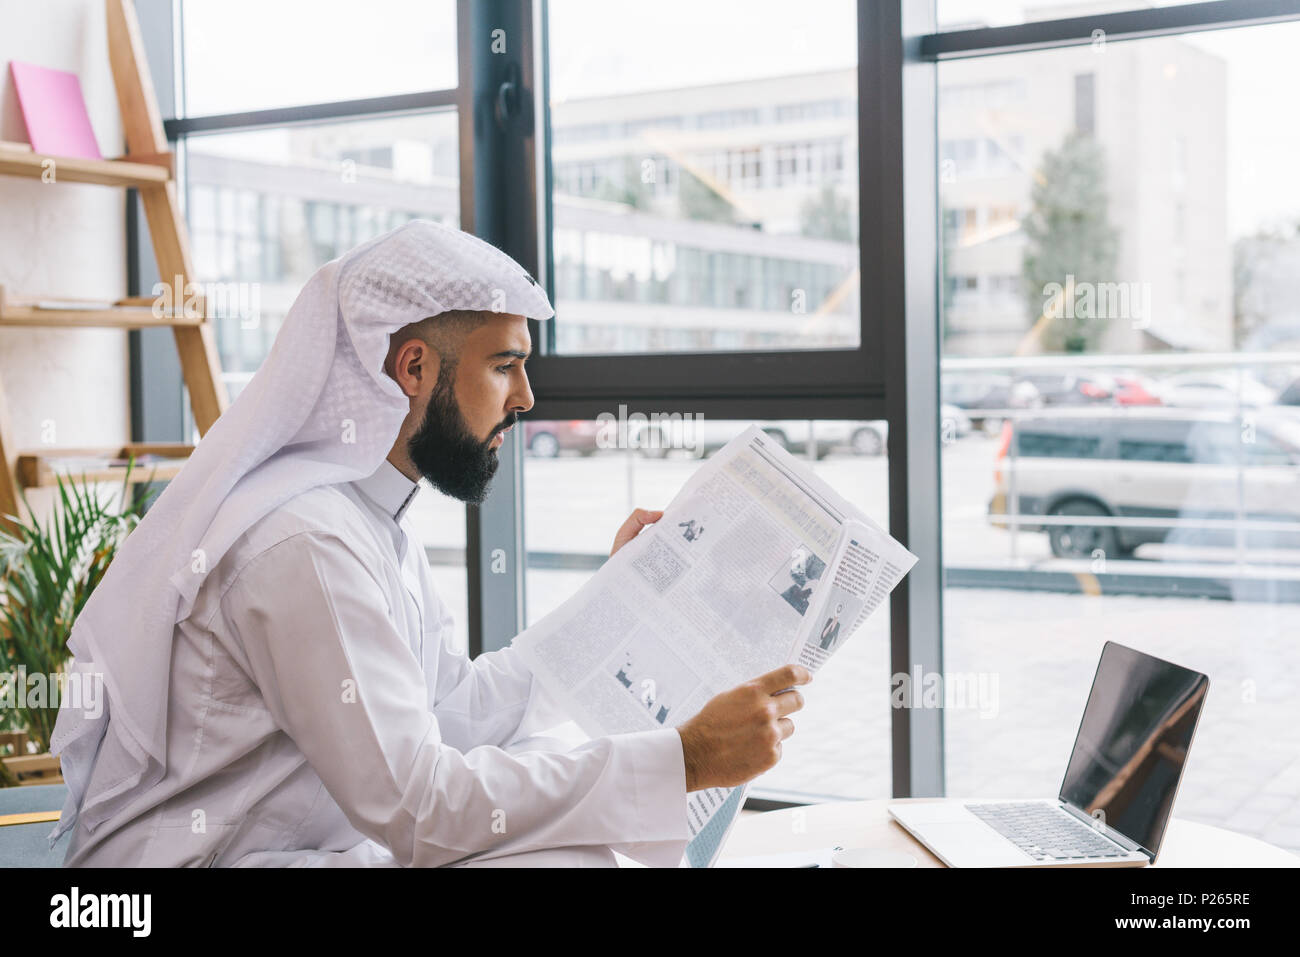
(54, 111)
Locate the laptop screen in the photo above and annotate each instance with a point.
(1132, 742)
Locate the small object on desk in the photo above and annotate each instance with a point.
(872, 857)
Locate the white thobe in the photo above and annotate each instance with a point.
(317, 716)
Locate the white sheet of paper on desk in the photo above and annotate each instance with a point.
(822, 857)
(756, 562)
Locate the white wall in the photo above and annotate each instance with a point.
(63, 239)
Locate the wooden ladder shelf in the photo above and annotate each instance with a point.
(148, 167)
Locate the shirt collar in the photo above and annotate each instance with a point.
(388, 488)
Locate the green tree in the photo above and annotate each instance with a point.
(697, 200)
(1264, 279)
(827, 215)
(1069, 234)
(632, 191)
(947, 246)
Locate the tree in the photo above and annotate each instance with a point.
(1069, 234)
(827, 216)
(1266, 281)
(696, 200)
(948, 245)
(632, 191)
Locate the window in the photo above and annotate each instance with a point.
(721, 176)
(270, 206)
(1035, 440)
(1143, 351)
(229, 68)
(269, 203)
(971, 14)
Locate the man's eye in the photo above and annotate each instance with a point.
(505, 368)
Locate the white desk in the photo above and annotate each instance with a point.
(868, 824)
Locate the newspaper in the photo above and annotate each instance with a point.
(755, 563)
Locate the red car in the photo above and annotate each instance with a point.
(1133, 390)
(548, 439)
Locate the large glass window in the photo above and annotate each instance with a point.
(971, 14)
(706, 200)
(312, 53)
(1118, 322)
(268, 205)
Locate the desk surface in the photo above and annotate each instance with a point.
(868, 824)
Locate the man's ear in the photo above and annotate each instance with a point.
(414, 366)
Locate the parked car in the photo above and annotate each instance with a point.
(1133, 389)
(986, 396)
(1071, 388)
(869, 438)
(547, 439)
(954, 422)
(1156, 463)
(1214, 389)
(700, 437)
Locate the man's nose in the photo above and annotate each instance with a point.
(522, 400)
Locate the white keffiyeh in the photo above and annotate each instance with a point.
(319, 411)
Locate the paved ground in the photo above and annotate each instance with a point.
(1244, 770)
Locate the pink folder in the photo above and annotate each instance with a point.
(54, 111)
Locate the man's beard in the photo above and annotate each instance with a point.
(448, 454)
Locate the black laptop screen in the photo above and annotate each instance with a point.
(1133, 742)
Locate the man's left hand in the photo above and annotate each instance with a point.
(638, 520)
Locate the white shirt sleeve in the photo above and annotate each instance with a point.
(492, 699)
(342, 682)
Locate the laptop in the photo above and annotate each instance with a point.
(1119, 786)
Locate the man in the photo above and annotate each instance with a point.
(275, 656)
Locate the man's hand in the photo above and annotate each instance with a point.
(638, 520)
(737, 735)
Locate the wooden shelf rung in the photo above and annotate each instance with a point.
(54, 312)
(40, 469)
(114, 317)
(32, 763)
(71, 169)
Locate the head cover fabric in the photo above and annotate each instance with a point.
(319, 411)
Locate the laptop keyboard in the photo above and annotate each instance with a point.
(1045, 832)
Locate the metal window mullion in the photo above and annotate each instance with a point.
(499, 204)
(369, 108)
(1126, 25)
(898, 149)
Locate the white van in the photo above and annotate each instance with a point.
(1182, 467)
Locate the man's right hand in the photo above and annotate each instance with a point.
(738, 734)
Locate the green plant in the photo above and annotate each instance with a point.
(1068, 233)
(47, 572)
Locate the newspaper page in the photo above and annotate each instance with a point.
(755, 563)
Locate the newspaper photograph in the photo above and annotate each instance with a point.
(755, 563)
